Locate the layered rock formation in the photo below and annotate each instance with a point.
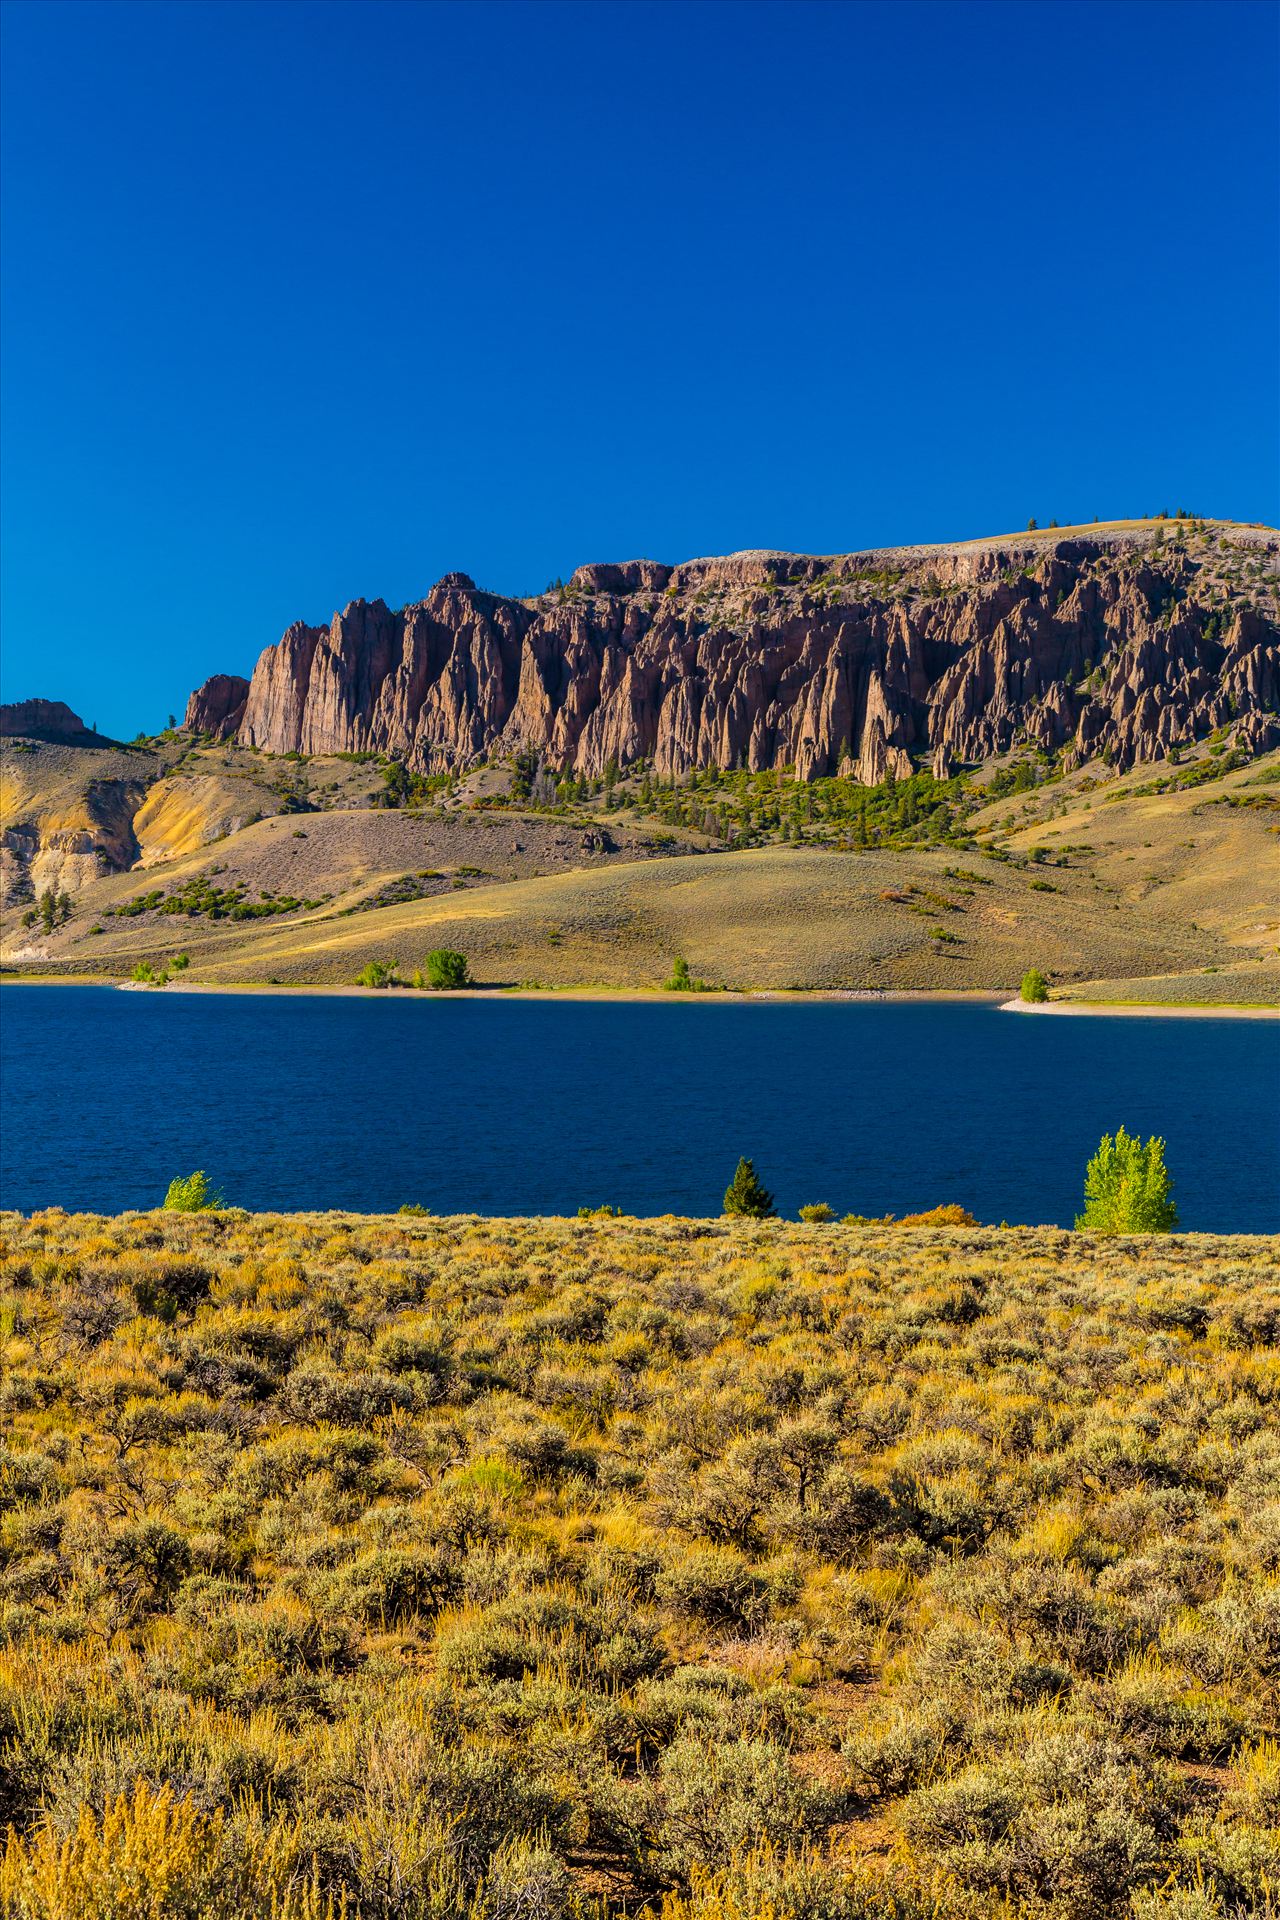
(47, 720)
(1122, 643)
(67, 836)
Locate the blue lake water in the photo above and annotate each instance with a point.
(515, 1107)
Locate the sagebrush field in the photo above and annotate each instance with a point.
(413, 1567)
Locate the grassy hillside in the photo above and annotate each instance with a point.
(775, 917)
(1155, 885)
(406, 1567)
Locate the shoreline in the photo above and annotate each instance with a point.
(657, 996)
(1157, 1009)
(1000, 1000)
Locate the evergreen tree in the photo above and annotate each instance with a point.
(1127, 1188)
(745, 1194)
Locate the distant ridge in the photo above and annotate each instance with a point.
(49, 720)
(1123, 641)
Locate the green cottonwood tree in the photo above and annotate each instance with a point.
(746, 1195)
(195, 1194)
(447, 968)
(1127, 1187)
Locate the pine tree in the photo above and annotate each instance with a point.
(746, 1195)
(1127, 1188)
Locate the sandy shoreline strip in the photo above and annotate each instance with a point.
(652, 996)
(1159, 1009)
(999, 1000)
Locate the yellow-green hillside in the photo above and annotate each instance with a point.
(1163, 884)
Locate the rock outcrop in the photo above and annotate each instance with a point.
(217, 707)
(67, 838)
(47, 720)
(1116, 643)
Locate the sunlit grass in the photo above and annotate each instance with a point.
(408, 1567)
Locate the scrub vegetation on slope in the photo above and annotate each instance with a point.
(1162, 875)
(412, 1567)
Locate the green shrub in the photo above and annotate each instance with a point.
(1127, 1188)
(447, 969)
(682, 981)
(1035, 988)
(1069, 1823)
(714, 1801)
(195, 1194)
(817, 1214)
(378, 973)
(714, 1583)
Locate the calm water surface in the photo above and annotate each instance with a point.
(516, 1107)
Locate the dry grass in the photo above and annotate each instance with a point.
(1147, 895)
(775, 917)
(411, 1567)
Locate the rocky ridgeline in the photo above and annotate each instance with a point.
(48, 720)
(1118, 642)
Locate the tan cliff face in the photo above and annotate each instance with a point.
(1118, 643)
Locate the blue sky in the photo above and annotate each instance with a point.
(306, 302)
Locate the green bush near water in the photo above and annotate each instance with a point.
(1127, 1188)
(194, 1194)
(378, 973)
(447, 971)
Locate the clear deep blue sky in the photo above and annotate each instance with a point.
(305, 302)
